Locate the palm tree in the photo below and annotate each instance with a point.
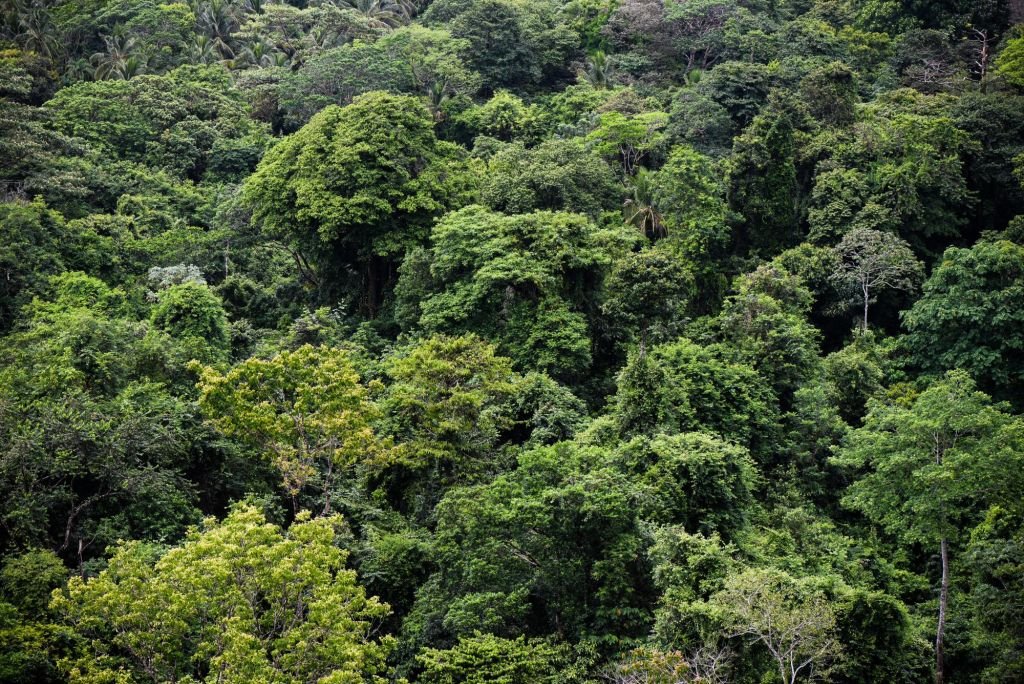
(119, 61)
(599, 71)
(203, 50)
(256, 54)
(133, 65)
(77, 70)
(385, 14)
(437, 94)
(261, 54)
(640, 211)
(218, 19)
(35, 30)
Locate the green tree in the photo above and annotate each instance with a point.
(831, 94)
(527, 282)
(96, 438)
(691, 198)
(856, 374)
(32, 236)
(765, 323)
(412, 59)
(304, 409)
(242, 600)
(504, 117)
(194, 316)
(548, 548)
(685, 387)
(909, 155)
(511, 44)
(694, 480)
(446, 407)
(432, 56)
(763, 185)
(628, 139)
(970, 316)
(556, 175)
(649, 292)
(996, 576)
(487, 659)
(792, 623)
(700, 29)
(28, 638)
(498, 48)
(177, 122)
(355, 188)
(1010, 63)
(931, 466)
(992, 120)
(640, 209)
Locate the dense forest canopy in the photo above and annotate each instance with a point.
(511, 341)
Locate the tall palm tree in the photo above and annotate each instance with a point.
(599, 71)
(35, 30)
(218, 19)
(203, 50)
(640, 210)
(120, 60)
(385, 14)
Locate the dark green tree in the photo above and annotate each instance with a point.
(527, 282)
(355, 188)
(969, 316)
(763, 186)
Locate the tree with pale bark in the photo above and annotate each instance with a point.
(791, 621)
(871, 261)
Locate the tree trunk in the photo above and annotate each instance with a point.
(371, 287)
(867, 297)
(940, 674)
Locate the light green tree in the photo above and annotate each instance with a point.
(239, 601)
(487, 659)
(305, 409)
(793, 623)
(1010, 63)
(628, 139)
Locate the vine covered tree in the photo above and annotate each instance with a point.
(354, 189)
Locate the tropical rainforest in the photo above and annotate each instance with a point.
(511, 341)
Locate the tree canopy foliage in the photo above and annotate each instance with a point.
(511, 341)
